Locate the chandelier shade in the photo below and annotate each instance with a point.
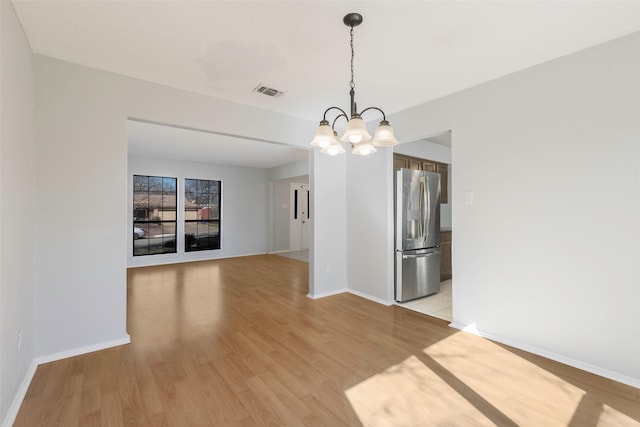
(324, 136)
(334, 148)
(383, 137)
(363, 149)
(356, 133)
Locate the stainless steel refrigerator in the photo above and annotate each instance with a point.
(417, 234)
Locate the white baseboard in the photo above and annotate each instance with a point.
(370, 298)
(615, 376)
(180, 258)
(327, 294)
(351, 291)
(82, 350)
(22, 391)
(10, 418)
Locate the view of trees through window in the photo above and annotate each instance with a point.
(154, 215)
(201, 214)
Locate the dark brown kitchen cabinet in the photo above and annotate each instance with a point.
(400, 163)
(443, 170)
(408, 162)
(445, 255)
(415, 164)
(428, 166)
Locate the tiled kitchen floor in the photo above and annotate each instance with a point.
(437, 305)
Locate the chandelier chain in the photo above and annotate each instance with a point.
(352, 84)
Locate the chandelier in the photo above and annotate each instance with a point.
(355, 134)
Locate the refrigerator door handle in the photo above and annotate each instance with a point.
(428, 197)
(424, 215)
(420, 255)
(421, 191)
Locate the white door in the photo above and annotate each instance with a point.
(299, 217)
(306, 217)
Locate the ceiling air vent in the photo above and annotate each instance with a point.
(268, 91)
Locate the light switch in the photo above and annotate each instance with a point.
(468, 197)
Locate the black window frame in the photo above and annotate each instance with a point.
(203, 196)
(164, 244)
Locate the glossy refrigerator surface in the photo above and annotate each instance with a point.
(417, 234)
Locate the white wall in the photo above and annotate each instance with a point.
(328, 239)
(17, 213)
(425, 150)
(546, 257)
(370, 225)
(290, 170)
(245, 193)
(280, 215)
(82, 185)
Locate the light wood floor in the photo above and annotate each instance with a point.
(236, 342)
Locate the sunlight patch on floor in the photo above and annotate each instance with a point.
(524, 392)
(612, 417)
(463, 381)
(410, 394)
(499, 376)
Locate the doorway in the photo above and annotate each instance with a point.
(299, 216)
(434, 154)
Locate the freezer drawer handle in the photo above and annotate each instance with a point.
(420, 256)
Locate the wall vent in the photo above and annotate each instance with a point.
(268, 91)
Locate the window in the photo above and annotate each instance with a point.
(154, 215)
(201, 214)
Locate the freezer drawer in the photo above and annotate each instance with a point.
(417, 273)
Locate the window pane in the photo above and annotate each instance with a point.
(140, 183)
(215, 212)
(208, 186)
(168, 214)
(190, 185)
(155, 184)
(154, 203)
(202, 214)
(190, 197)
(169, 185)
(202, 235)
(169, 236)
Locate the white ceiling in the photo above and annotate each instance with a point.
(170, 142)
(407, 53)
